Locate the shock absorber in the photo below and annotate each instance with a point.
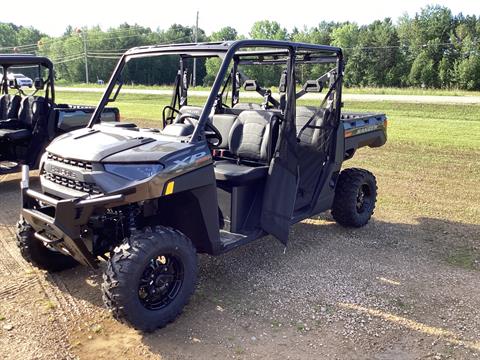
(130, 217)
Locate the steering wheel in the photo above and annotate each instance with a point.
(211, 134)
(172, 116)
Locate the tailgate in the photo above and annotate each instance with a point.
(364, 130)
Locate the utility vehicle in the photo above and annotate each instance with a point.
(29, 120)
(215, 177)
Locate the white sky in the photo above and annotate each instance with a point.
(52, 17)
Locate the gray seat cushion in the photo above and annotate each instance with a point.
(178, 129)
(15, 135)
(250, 136)
(224, 124)
(250, 141)
(238, 174)
(11, 124)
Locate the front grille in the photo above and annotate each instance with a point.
(77, 163)
(89, 188)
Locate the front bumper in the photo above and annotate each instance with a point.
(58, 223)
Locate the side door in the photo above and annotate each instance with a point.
(281, 186)
(316, 133)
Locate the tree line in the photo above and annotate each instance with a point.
(434, 48)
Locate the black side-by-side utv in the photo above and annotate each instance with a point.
(30, 118)
(146, 201)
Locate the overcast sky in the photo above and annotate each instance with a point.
(53, 16)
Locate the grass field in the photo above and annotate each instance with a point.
(441, 126)
(353, 90)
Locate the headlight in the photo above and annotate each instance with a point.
(134, 171)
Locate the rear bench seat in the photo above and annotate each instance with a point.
(247, 106)
(31, 110)
(9, 106)
(309, 136)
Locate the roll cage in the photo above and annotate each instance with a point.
(241, 52)
(8, 61)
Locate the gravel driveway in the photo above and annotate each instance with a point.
(396, 289)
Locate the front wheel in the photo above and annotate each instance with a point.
(355, 197)
(150, 278)
(37, 254)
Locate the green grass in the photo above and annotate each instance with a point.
(410, 91)
(126, 86)
(428, 125)
(424, 125)
(352, 90)
(465, 258)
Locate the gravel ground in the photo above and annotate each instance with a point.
(386, 291)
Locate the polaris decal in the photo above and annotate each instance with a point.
(363, 130)
(63, 172)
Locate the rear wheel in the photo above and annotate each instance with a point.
(355, 197)
(150, 278)
(38, 254)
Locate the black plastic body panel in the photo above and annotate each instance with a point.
(193, 210)
(240, 206)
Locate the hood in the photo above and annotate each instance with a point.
(96, 144)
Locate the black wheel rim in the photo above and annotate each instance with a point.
(160, 282)
(364, 198)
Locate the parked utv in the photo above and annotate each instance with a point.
(146, 201)
(30, 120)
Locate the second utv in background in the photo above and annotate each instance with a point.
(29, 120)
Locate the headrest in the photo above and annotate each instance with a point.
(39, 83)
(250, 85)
(313, 86)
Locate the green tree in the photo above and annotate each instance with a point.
(270, 30)
(433, 48)
(346, 36)
(224, 34)
(468, 73)
(423, 72)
